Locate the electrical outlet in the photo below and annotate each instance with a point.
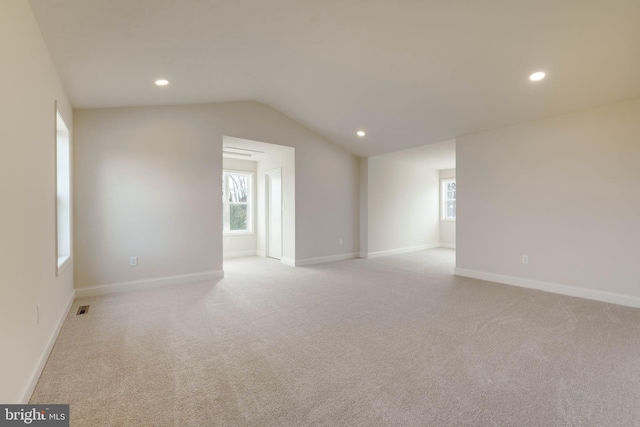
(525, 259)
(339, 241)
(133, 261)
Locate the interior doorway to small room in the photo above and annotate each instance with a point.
(448, 208)
(258, 186)
(411, 198)
(442, 157)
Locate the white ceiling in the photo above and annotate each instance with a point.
(253, 150)
(439, 156)
(408, 72)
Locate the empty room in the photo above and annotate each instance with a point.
(292, 213)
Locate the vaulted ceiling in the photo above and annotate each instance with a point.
(408, 72)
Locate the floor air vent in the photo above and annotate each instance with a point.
(83, 309)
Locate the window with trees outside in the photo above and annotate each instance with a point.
(237, 214)
(449, 199)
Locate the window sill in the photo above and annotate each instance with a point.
(447, 220)
(63, 263)
(238, 233)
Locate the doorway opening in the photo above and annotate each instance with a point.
(259, 220)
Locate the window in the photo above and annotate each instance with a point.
(63, 191)
(237, 214)
(449, 199)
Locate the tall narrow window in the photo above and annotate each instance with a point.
(237, 214)
(63, 191)
(449, 199)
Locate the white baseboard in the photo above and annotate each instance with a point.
(364, 255)
(288, 261)
(323, 259)
(401, 250)
(238, 254)
(448, 245)
(148, 283)
(26, 393)
(261, 253)
(556, 288)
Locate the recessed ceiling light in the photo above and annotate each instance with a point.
(360, 133)
(537, 76)
(162, 82)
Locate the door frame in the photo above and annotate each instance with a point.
(267, 210)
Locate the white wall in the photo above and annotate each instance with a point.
(29, 88)
(402, 201)
(364, 207)
(447, 228)
(327, 193)
(563, 191)
(149, 184)
(242, 244)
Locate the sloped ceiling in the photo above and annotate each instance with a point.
(408, 72)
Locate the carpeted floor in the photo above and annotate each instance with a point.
(396, 340)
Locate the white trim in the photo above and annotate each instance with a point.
(448, 245)
(30, 386)
(364, 255)
(267, 212)
(238, 233)
(111, 288)
(261, 253)
(238, 254)
(401, 250)
(62, 261)
(288, 261)
(64, 265)
(323, 259)
(556, 288)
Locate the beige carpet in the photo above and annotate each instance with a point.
(388, 341)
